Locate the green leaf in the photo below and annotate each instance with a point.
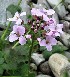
(55, 49)
(13, 9)
(65, 74)
(47, 54)
(32, 74)
(1, 54)
(22, 50)
(29, 17)
(1, 60)
(1, 70)
(58, 49)
(24, 70)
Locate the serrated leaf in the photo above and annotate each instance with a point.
(55, 49)
(23, 50)
(13, 9)
(32, 74)
(24, 70)
(1, 54)
(29, 17)
(1, 60)
(47, 54)
(1, 70)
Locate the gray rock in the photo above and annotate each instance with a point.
(43, 75)
(5, 3)
(60, 9)
(69, 7)
(67, 1)
(44, 68)
(33, 66)
(55, 16)
(65, 37)
(66, 26)
(59, 64)
(43, 3)
(67, 54)
(25, 8)
(67, 17)
(37, 58)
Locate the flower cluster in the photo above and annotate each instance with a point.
(41, 21)
(51, 29)
(18, 29)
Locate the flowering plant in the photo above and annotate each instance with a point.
(41, 30)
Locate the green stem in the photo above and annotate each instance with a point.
(15, 45)
(30, 51)
(19, 2)
(4, 34)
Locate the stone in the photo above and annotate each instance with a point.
(59, 64)
(43, 3)
(43, 75)
(37, 58)
(65, 37)
(66, 26)
(25, 8)
(67, 17)
(67, 1)
(44, 68)
(67, 54)
(69, 7)
(55, 16)
(4, 14)
(33, 66)
(59, 8)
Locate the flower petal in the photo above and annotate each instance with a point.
(19, 29)
(22, 40)
(23, 13)
(50, 12)
(43, 42)
(18, 22)
(16, 15)
(28, 36)
(53, 41)
(49, 47)
(12, 37)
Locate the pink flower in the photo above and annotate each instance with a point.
(47, 12)
(17, 18)
(42, 12)
(54, 30)
(17, 34)
(28, 36)
(50, 12)
(48, 42)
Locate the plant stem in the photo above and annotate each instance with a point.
(30, 51)
(15, 45)
(19, 2)
(4, 34)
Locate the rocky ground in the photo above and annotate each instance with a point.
(57, 64)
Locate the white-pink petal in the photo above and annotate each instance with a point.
(22, 40)
(53, 41)
(28, 36)
(13, 37)
(49, 47)
(18, 22)
(23, 13)
(50, 12)
(19, 29)
(43, 42)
